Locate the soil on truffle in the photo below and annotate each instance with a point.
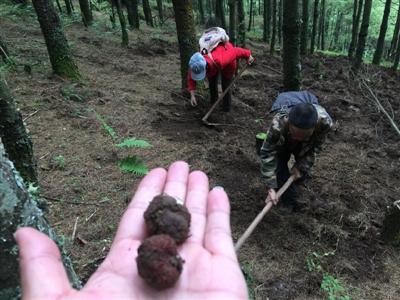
(138, 94)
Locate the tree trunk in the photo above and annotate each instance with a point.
(395, 38)
(59, 6)
(362, 37)
(251, 15)
(322, 26)
(147, 13)
(232, 20)
(18, 209)
(122, 22)
(356, 24)
(87, 16)
(382, 33)
(160, 11)
(15, 138)
(304, 29)
(391, 225)
(186, 31)
(56, 42)
(396, 57)
(291, 46)
(241, 25)
(219, 13)
(280, 16)
(337, 31)
(68, 7)
(314, 27)
(273, 37)
(133, 13)
(267, 21)
(201, 11)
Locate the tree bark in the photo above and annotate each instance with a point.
(241, 25)
(356, 23)
(314, 27)
(160, 11)
(186, 32)
(395, 38)
(291, 46)
(322, 26)
(273, 37)
(382, 33)
(201, 11)
(15, 138)
(337, 30)
(219, 13)
(87, 16)
(147, 13)
(232, 20)
(251, 15)
(133, 13)
(267, 21)
(59, 6)
(56, 42)
(17, 209)
(68, 7)
(362, 37)
(304, 28)
(122, 22)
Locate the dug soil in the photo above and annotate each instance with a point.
(137, 92)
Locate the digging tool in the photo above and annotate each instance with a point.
(261, 215)
(204, 119)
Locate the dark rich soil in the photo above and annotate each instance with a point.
(136, 90)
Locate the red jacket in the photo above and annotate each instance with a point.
(224, 56)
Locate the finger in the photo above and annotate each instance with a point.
(132, 223)
(177, 178)
(42, 272)
(218, 238)
(196, 203)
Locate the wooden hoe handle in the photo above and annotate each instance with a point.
(261, 215)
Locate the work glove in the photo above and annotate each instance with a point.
(250, 60)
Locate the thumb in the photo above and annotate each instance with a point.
(41, 269)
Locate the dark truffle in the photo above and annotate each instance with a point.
(165, 216)
(158, 261)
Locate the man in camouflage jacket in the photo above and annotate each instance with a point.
(300, 130)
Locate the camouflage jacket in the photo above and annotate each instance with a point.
(278, 140)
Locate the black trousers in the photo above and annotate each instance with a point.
(289, 197)
(213, 85)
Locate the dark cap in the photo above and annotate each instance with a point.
(303, 116)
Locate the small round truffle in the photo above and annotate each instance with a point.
(158, 261)
(165, 216)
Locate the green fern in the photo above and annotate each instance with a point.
(132, 142)
(132, 164)
(106, 127)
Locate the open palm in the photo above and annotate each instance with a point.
(211, 269)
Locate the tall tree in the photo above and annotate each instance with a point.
(160, 11)
(14, 136)
(56, 42)
(280, 16)
(186, 32)
(304, 28)
(219, 13)
(251, 15)
(291, 46)
(147, 13)
(133, 13)
(87, 16)
(242, 24)
(362, 37)
(267, 20)
(322, 26)
(337, 30)
(314, 26)
(273, 36)
(232, 20)
(122, 22)
(201, 11)
(396, 58)
(395, 38)
(382, 33)
(357, 10)
(68, 7)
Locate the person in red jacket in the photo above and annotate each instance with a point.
(221, 61)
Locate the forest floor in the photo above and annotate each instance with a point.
(137, 91)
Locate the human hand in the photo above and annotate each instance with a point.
(250, 60)
(193, 100)
(211, 269)
(296, 172)
(272, 197)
